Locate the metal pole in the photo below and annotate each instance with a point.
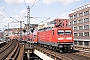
(21, 29)
(28, 20)
(28, 23)
(8, 30)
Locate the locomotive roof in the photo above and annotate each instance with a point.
(52, 28)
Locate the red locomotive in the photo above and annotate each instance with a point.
(35, 37)
(58, 38)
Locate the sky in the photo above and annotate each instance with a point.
(17, 9)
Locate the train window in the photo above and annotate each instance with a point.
(68, 32)
(34, 36)
(52, 32)
(60, 32)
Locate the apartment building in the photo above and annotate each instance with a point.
(80, 22)
(58, 22)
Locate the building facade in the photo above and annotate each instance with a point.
(80, 22)
(10, 32)
(1, 34)
(58, 22)
(30, 27)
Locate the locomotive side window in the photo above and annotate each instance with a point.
(52, 32)
(68, 32)
(34, 36)
(60, 32)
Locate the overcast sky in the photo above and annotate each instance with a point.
(42, 8)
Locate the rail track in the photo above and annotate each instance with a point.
(75, 56)
(12, 51)
(83, 51)
(58, 56)
(3, 44)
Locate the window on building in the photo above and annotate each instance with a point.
(86, 33)
(80, 27)
(75, 28)
(75, 42)
(72, 28)
(86, 43)
(80, 34)
(75, 34)
(80, 21)
(63, 24)
(75, 16)
(80, 42)
(75, 22)
(66, 25)
(86, 20)
(86, 12)
(71, 23)
(86, 27)
(80, 14)
(71, 17)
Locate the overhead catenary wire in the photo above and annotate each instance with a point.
(14, 19)
(70, 8)
(65, 10)
(5, 11)
(25, 3)
(31, 6)
(3, 16)
(34, 3)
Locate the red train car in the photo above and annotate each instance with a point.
(13, 37)
(24, 37)
(30, 37)
(35, 37)
(57, 38)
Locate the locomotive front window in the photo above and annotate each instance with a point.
(68, 32)
(60, 32)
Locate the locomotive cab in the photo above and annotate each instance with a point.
(60, 39)
(65, 36)
(65, 39)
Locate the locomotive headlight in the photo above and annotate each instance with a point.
(71, 47)
(60, 38)
(60, 46)
(69, 38)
